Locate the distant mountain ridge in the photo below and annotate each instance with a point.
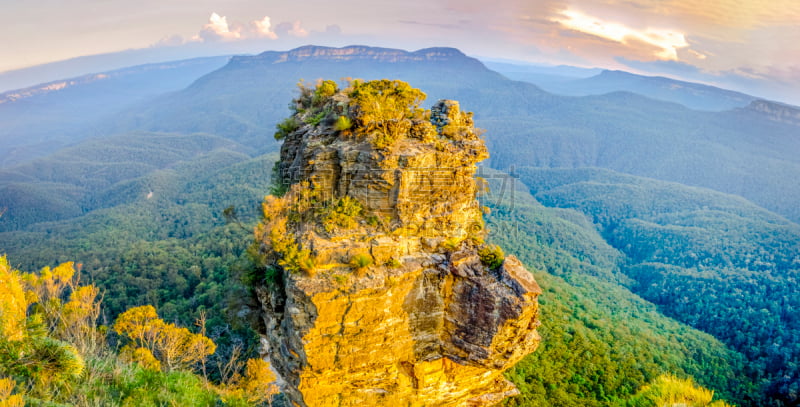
(353, 53)
(244, 100)
(38, 120)
(58, 85)
(693, 95)
(690, 94)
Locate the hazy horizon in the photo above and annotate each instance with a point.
(742, 46)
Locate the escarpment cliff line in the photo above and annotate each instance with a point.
(377, 287)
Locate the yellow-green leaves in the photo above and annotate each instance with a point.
(6, 398)
(360, 261)
(385, 109)
(325, 89)
(669, 390)
(342, 215)
(259, 381)
(174, 347)
(491, 255)
(13, 304)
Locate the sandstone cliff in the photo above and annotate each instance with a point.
(377, 287)
(354, 53)
(775, 111)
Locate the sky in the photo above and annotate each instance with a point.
(746, 45)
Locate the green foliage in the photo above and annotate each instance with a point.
(273, 277)
(287, 126)
(173, 249)
(384, 109)
(66, 372)
(7, 399)
(146, 387)
(491, 255)
(394, 263)
(293, 259)
(423, 130)
(278, 185)
(343, 123)
(48, 330)
(175, 347)
(451, 243)
(714, 261)
(360, 261)
(119, 170)
(668, 390)
(340, 279)
(305, 262)
(345, 214)
(323, 91)
(603, 342)
(317, 118)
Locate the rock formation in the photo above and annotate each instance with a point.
(377, 288)
(775, 111)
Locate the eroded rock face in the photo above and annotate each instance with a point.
(425, 322)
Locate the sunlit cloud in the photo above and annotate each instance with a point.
(666, 42)
(169, 41)
(698, 55)
(264, 28)
(217, 29)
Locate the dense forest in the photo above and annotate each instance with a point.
(203, 272)
(713, 261)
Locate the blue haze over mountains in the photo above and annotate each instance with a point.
(639, 160)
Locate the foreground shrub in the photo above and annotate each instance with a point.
(491, 255)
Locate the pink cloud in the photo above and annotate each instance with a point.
(263, 28)
(218, 29)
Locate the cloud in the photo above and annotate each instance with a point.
(217, 29)
(263, 28)
(734, 13)
(297, 30)
(697, 54)
(665, 42)
(294, 29)
(169, 41)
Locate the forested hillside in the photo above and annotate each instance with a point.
(748, 152)
(165, 243)
(601, 342)
(41, 119)
(714, 261)
(104, 172)
(177, 252)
